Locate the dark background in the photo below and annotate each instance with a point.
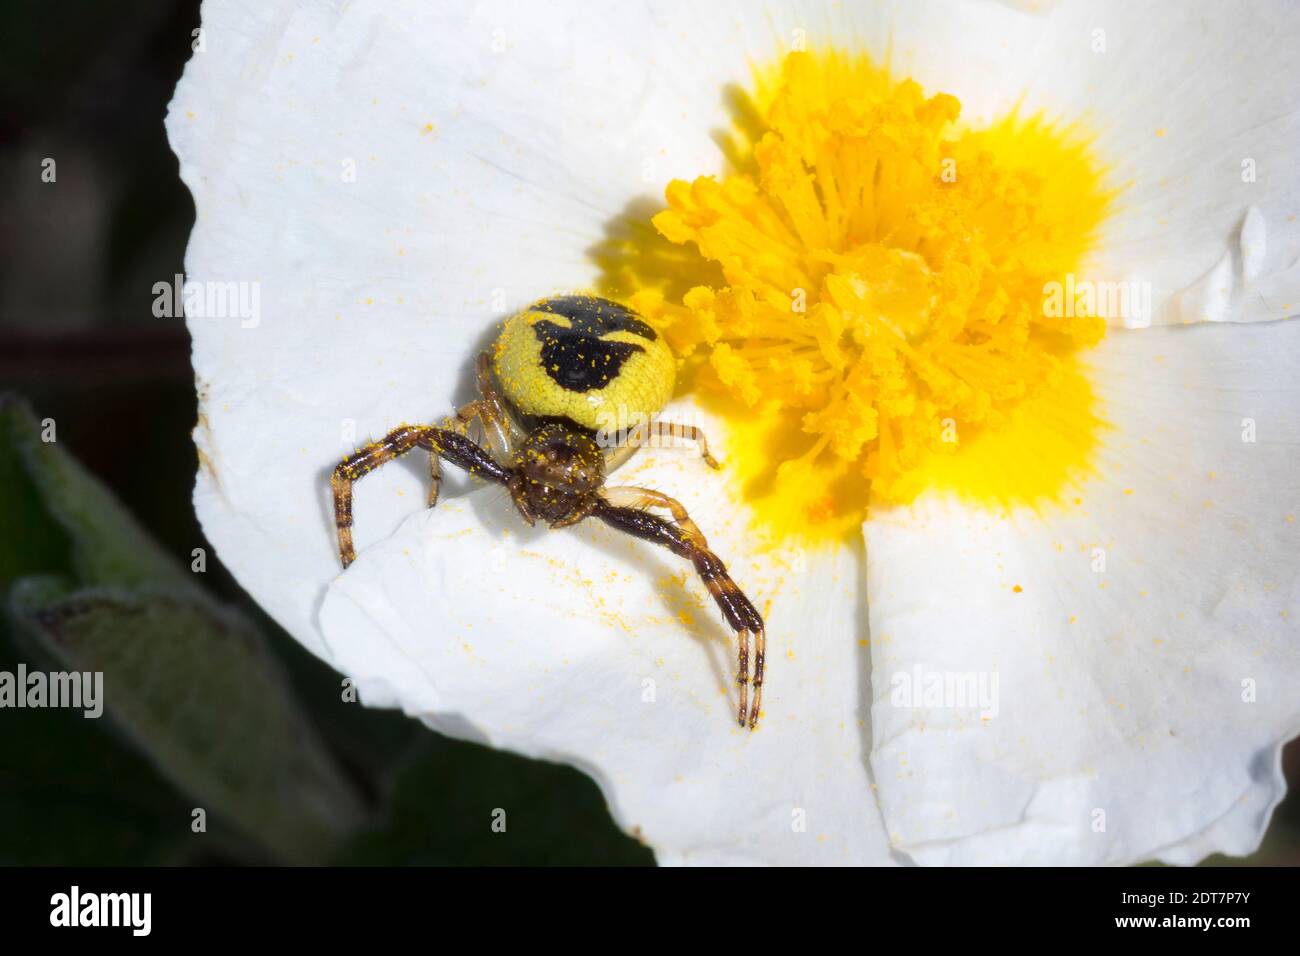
(86, 82)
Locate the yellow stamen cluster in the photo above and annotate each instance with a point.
(884, 285)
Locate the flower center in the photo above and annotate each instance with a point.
(878, 323)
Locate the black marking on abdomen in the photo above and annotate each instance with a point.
(579, 361)
(596, 316)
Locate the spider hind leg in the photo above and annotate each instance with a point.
(624, 509)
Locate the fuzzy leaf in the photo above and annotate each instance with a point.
(191, 683)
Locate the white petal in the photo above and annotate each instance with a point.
(1209, 298)
(549, 642)
(1124, 692)
(1254, 244)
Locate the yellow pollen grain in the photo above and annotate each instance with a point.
(876, 304)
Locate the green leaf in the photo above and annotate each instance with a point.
(189, 683)
(72, 793)
(196, 690)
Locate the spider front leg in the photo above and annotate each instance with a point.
(624, 509)
(440, 442)
(629, 496)
(644, 433)
(690, 433)
(491, 412)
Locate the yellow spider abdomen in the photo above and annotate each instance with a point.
(587, 359)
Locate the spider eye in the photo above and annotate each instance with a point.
(561, 459)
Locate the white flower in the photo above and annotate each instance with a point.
(393, 175)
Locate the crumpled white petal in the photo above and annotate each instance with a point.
(396, 175)
(602, 651)
(1144, 643)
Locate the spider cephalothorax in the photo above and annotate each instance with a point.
(557, 472)
(558, 373)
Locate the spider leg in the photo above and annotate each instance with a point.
(641, 435)
(440, 442)
(628, 496)
(499, 429)
(499, 425)
(460, 423)
(691, 433)
(624, 509)
(435, 480)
